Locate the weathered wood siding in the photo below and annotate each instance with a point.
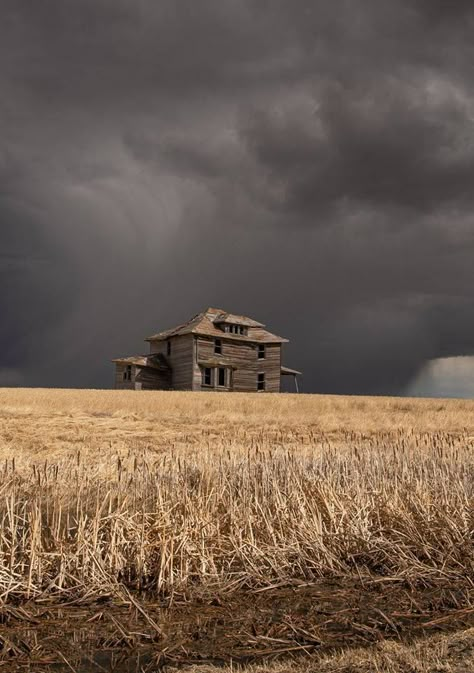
(120, 384)
(272, 367)
(244, 357)
(152, 379)
(158, 347)
(180, 359)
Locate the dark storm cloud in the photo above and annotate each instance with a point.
(308, 163)
(443, 11)
(387, 147)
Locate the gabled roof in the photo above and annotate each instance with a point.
(206, 324)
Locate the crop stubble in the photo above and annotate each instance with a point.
(206, 499)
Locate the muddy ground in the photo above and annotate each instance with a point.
(247, 626)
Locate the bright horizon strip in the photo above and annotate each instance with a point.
(444, 377)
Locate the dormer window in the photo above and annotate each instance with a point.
(236, 329)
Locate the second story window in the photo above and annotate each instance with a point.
(218, 346)
(168, 348)
(261, 351)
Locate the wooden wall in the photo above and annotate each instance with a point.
(180, 359)
(152, 379)
(243, 356)
(120, 384)
(271, 365)
(186, 374)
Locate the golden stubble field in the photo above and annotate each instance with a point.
(253, 525)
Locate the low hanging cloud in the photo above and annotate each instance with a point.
(305, 163)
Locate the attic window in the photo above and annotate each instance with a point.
(261, 381)
(236, 329)
(218, 346)
(261, 351)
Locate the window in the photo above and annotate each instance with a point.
(127, 375)
(168, 348)
(236, 329)
(207, 376)
(261, 351)
(218, 346)
(261, 382)
(221, 377)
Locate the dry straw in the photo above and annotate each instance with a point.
(158, 499)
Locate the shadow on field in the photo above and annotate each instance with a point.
(245, 627)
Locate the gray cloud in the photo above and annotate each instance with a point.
(395, 146)
(307, 163)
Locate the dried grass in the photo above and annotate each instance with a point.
(181, 492)
(453, 653)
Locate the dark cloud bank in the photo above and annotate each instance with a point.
(307, 163)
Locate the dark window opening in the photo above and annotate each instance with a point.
(218, 346)
(221, 378)
(236, 329)
(207, 376)
(127, 375)
(261, 382)
(261, 351)
(168, 348)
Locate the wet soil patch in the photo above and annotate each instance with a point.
(283, 621)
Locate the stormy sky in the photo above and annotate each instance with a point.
(307, 163)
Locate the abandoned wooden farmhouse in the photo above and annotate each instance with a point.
(214, 350)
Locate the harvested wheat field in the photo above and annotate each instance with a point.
(149, 530)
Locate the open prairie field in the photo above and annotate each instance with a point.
(283, 532)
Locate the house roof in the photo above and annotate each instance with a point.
(233, 319)
(155, 361)
(206, 324)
